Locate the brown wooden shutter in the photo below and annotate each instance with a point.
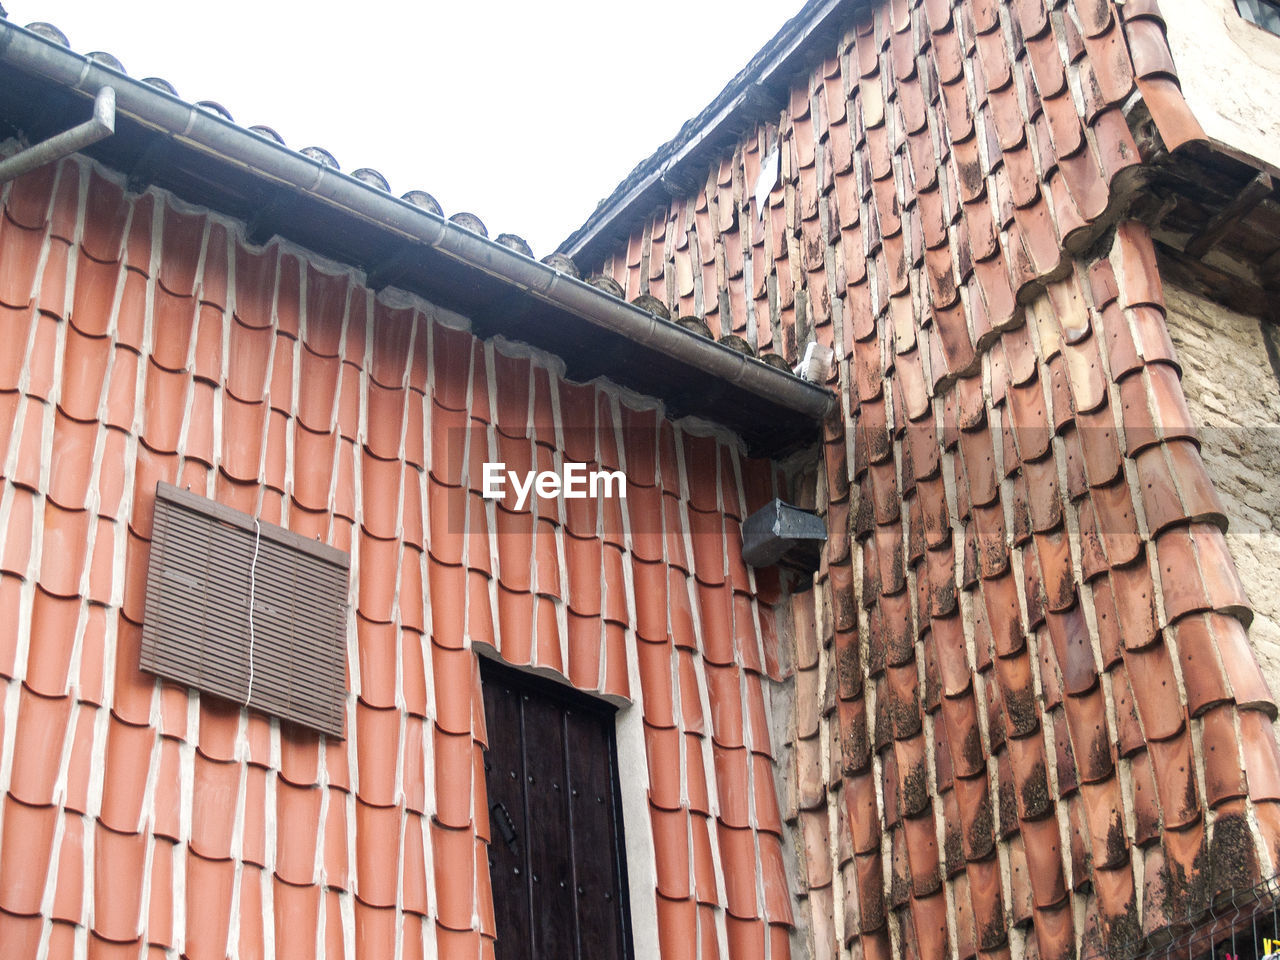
(197, 620)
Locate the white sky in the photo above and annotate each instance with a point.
(525, 114)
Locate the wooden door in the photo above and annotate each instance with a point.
(556, 853)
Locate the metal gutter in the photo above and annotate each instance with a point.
(745, 91)
(224, 141)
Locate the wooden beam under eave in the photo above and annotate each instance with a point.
(1253, 193)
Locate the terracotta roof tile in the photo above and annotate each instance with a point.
(1078, 189)
(1134, 594)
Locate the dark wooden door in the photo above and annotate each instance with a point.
(556, 854)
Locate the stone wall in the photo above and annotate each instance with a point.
(1234, 396)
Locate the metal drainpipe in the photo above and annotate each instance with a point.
(98, 127)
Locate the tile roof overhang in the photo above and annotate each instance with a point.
(679, 165)
(1196, 193)
(206, 159)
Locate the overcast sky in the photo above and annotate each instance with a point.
(524, 113)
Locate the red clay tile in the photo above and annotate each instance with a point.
(378, 577)
(1224, 772)
(1174, 770)
(738, 866)
(1000, 595)
(454, 863)
(378, 831)
(1134, 594)
(513, 384)
(65, 542)
(616, 682)
(584, 638)
(53, 636)
(1203, 676)
(94, 296)
(1074, 650)
(313, 485)
(1261, 758)
(929, 922)
(80, 760)
(1090, 739)
(546, 644)
(1181, 586)
(1103, 811)
(25, 933)
(1116, 526)
(85, 361)
(393, 331)
(413, 868)
(165, 402)
(378, 749)
(249, 359)
(1053, 550)
(19, 272)
(174, 327)
(209, 887)
(250, 911)
(214, 274)
(317, 390)
(219, 733)
(215, 795)
(725, 700)
(453, 776)
(129, 750)
(183, 239)
(376, 647)
(453, 672)
(386, 408)
(299, 757)
(297, 820)
(119, 865)
(1044, 861)
(1226, 592)
(68, 902)
(1156, 694)
(288, 306)
(336, 839)
(31, 194)
(66, 201)
(671, 849)
(326, 303)
(28, 833)
(453, 354)
(1248, 686)
(1129, 735)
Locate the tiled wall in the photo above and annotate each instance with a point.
(1028, 718)
(145, 341)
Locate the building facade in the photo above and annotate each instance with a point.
(1034, 721)
(1020, 710)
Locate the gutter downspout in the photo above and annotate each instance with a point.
(217, 137)
(98, 127)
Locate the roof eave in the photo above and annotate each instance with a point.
(751, 96)
(212, 161)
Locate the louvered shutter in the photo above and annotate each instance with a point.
(198, 629)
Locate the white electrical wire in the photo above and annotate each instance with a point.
(253, 583)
